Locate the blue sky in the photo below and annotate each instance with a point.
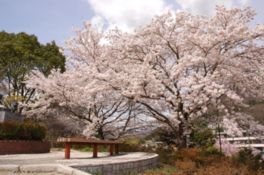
(55, 19)
(48, 19)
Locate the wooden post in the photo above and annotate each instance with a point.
(111, 149)
(116, 149)
(67, 150)
(95, 150)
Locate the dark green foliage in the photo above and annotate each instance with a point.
(130, 144)
(167, 155)
(201, 135)
(9, 130)
(20, 54)
(211, 150)
(202, 138)
(22, 131)
(247, 158)
(163, 135)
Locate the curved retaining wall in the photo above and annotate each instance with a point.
(23, 146)
(121, 168)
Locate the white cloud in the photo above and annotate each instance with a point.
(206, 7)
(245, 2)
(98, 22)
(127, 14)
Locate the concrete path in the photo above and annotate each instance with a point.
(77, 158)
(105, 164)
(8, 173)
(53, 157)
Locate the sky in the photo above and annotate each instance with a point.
(56, 19)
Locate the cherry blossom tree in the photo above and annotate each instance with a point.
(74, 94)
(181, 65)
(178, 67)
(65, 95)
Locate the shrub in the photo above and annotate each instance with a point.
(189, 153)
(37, 131)
(186, 165)
(130, 144)
(200, 156)
(202, 138)
(8, 130)
(249, 158)
(195, 161)
(28, 130)
(202, 135)
(223, 167)
(167, 155)
(211, 150)
(163, 135)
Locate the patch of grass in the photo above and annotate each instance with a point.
(90, 148)
(85, 149)
(57, 149)
(163, 170)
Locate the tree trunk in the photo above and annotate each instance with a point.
(181, 143)
(100, 133)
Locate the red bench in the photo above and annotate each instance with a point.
(113, 145)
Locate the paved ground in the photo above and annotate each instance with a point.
(32, 163)
(77, 158)
(8, 173)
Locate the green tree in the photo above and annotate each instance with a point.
(20, 54)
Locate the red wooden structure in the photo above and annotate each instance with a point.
(113, 145)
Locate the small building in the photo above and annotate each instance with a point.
(7, 115)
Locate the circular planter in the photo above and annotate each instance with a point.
(23, 146)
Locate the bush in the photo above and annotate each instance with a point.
(163, 135)
(212, 151)
(202, 135)
(200, 161)
(167, 155)
(8, 130)
(130, 144)
(200, 157)
(28, 130)
(252, 160)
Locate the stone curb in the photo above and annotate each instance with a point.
(42, 168)
(9, 168)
